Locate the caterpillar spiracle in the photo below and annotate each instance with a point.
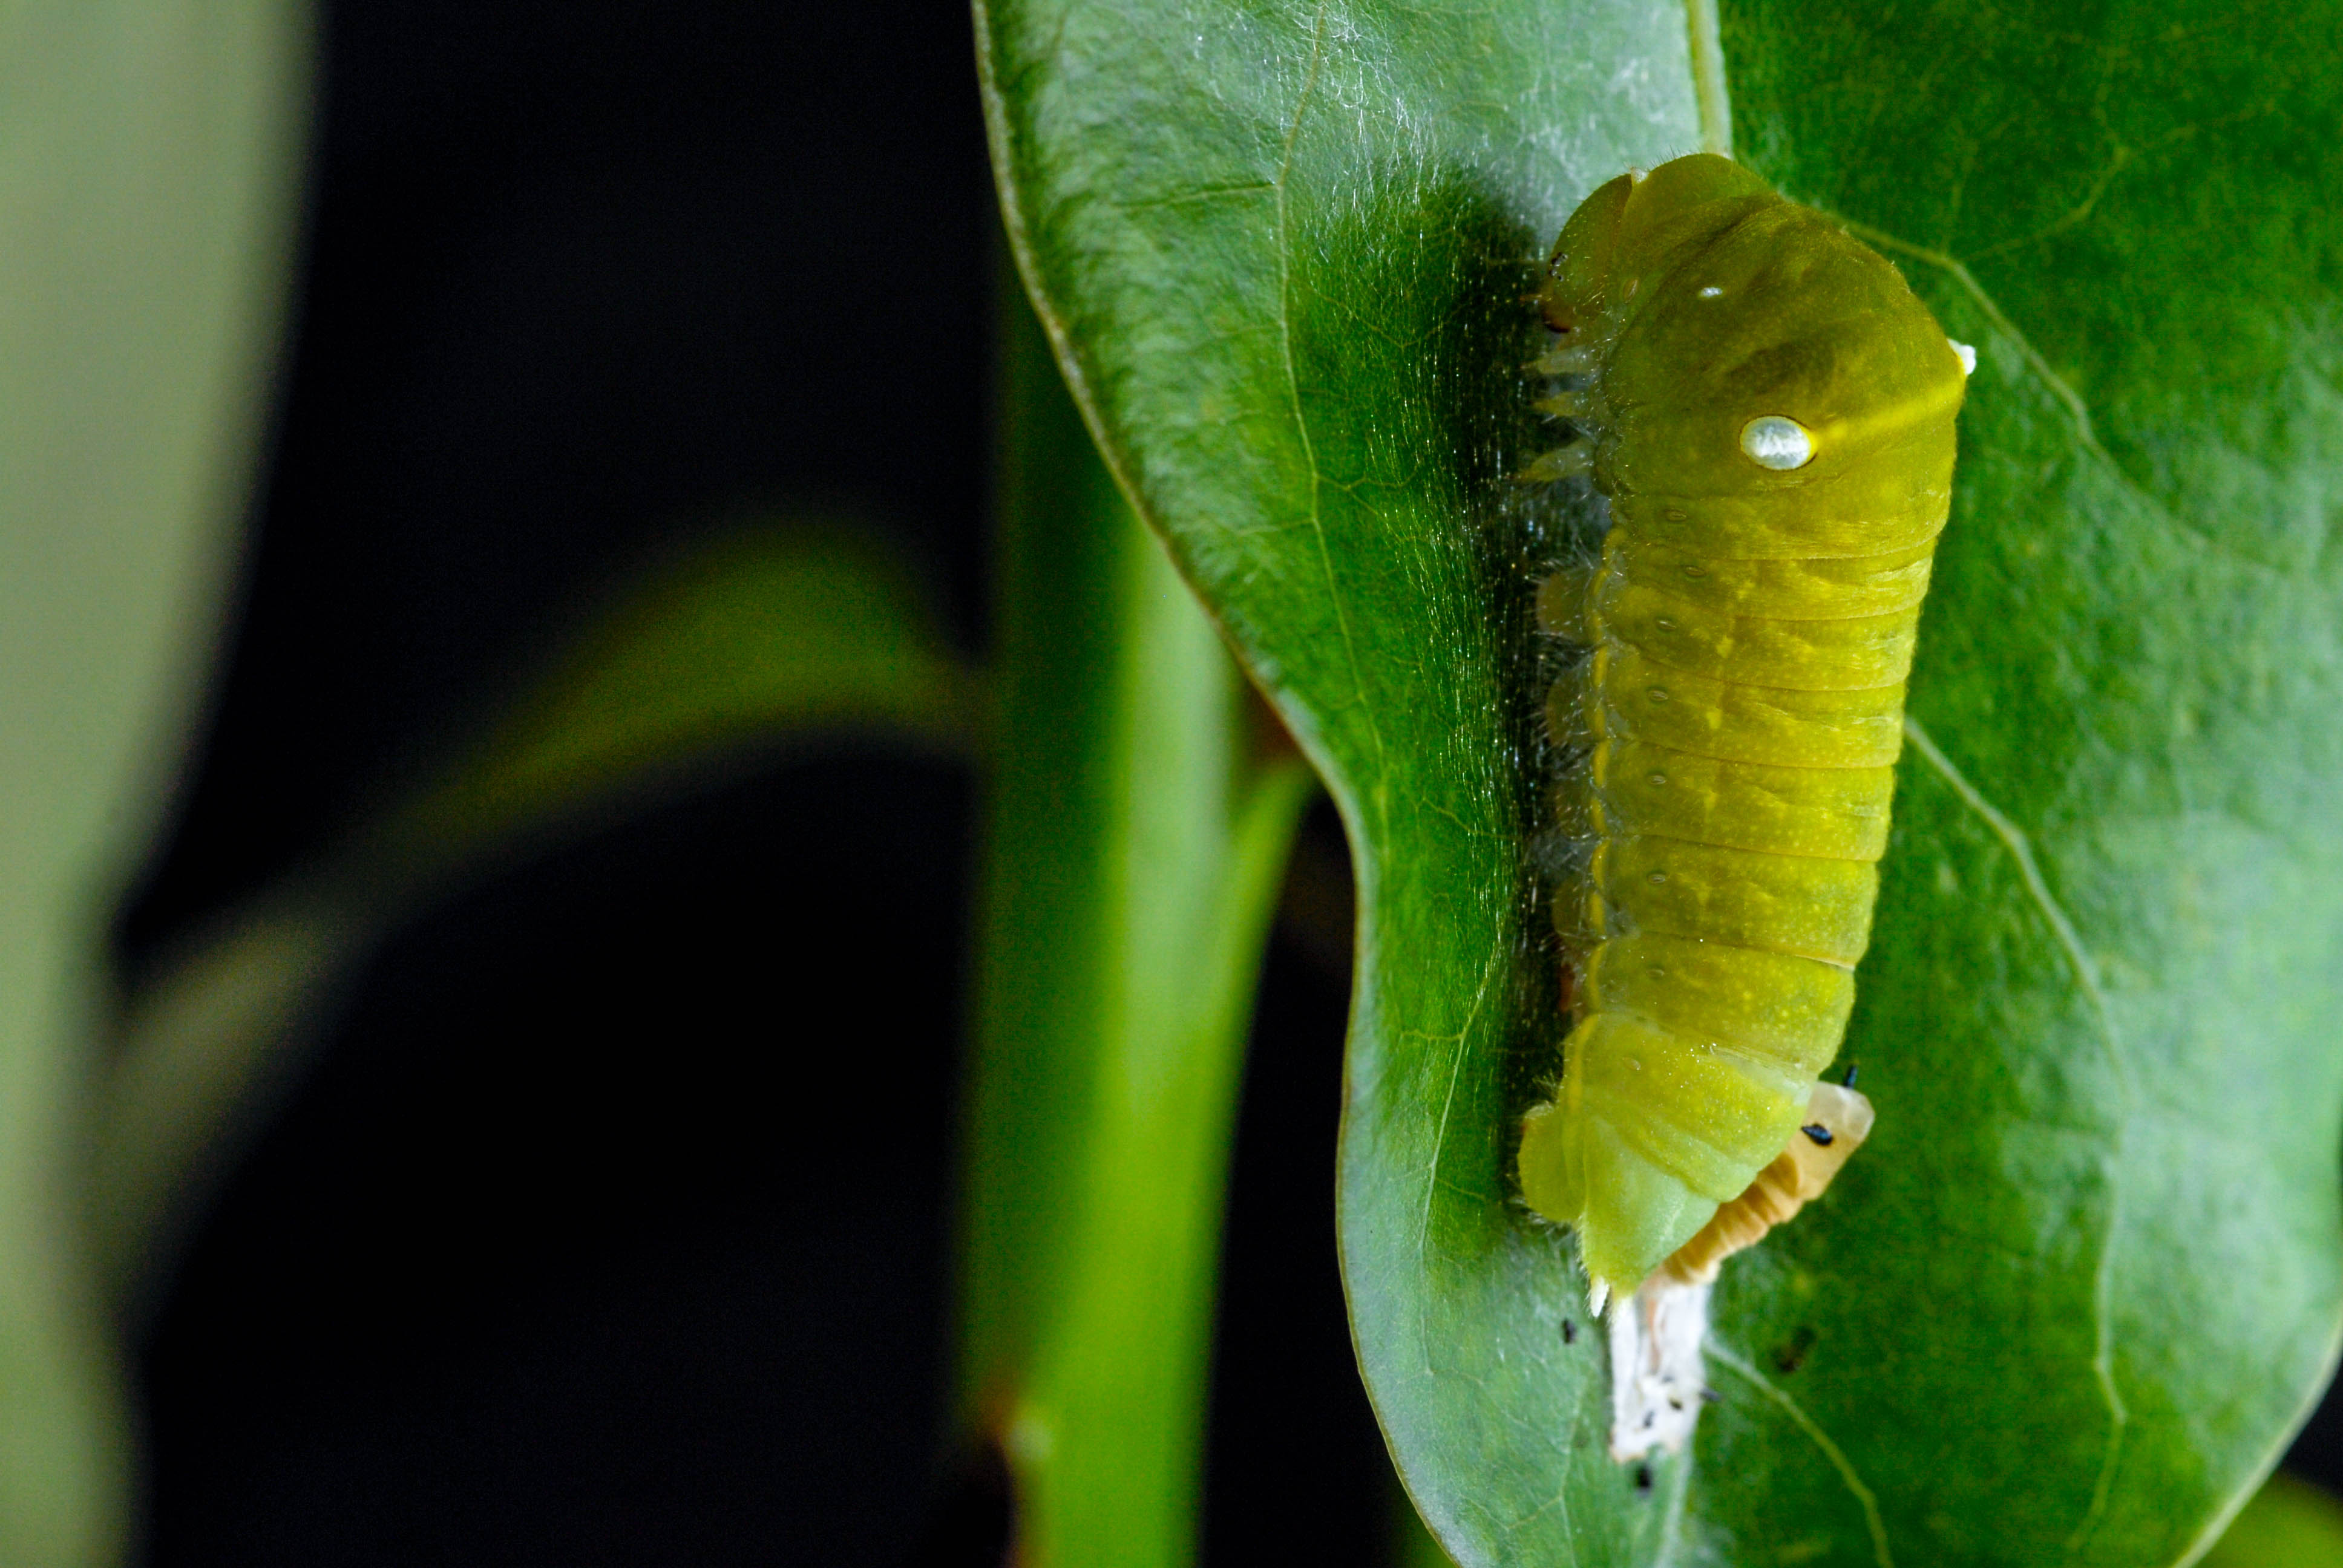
(1768, 410)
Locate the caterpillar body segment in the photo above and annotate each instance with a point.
(1769, 411)
(1837, 1121)
(1658, 1383)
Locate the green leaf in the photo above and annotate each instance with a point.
(1134, 843)
(2068, 1301)
(775, 635)
(146, 192)
(786, 637)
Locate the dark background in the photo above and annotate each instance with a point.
(612, 1226)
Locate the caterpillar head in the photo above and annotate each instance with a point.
(1748, 347)
(1631, 230)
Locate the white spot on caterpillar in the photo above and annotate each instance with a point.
(1774, 442)
(1969, 356)
(1711, 292)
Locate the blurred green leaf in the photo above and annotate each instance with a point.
(1134, 848)
(817, 629)
(2070, 1300)
(813, 635)
(147, 191)
(2289, 1523)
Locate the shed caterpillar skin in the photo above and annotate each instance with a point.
(1769, 410)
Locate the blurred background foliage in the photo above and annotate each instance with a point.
(604, 1208)
(530, 1131)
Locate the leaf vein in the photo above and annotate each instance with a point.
(1199, 194)
(2087, 434)
(1431, 1183)
(2021, 850)
(2103, 1352)
(1864, 1496)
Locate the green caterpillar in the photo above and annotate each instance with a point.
(1769, 411)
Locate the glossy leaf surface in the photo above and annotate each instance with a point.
(2066, 1304)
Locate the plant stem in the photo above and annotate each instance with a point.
(1132, 857)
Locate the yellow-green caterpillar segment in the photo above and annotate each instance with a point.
(1769, 411)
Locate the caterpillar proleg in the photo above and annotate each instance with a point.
(1768, 410)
